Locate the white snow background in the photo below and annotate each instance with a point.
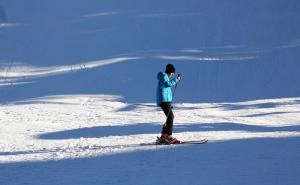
(78, 82)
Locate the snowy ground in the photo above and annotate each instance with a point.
(77, 92)
(88, 139)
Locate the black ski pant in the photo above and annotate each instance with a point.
(168, 126)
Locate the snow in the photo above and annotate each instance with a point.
(15, 72)
(96, 138)
(77, 92)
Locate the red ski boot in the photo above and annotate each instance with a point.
(167, 139)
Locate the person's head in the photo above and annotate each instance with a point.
(170, 70)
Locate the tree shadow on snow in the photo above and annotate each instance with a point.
(148, 128)
(136, 129)
(222, 68)
(224, 106)
(247, 161)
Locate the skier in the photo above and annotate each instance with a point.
(164, 98)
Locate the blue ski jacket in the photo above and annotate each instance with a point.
(164, 88)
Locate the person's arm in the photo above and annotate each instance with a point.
(169, 83)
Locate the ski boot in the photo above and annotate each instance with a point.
(167, 139)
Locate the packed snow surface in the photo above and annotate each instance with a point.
(78, 82)
(97, 138)
(76, 126)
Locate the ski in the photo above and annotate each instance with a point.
(191, 142)
(201, 141)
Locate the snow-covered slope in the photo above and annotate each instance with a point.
(78, 81)
(88, 139)
(225, 51)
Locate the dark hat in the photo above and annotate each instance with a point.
(170, 69)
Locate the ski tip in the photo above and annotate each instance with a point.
(203, 141)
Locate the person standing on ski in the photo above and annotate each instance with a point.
(164, 97)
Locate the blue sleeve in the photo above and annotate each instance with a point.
(169, 83)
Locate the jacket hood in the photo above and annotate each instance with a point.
(160, 75)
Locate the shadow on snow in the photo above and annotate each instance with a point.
(248, 162)
(148, 128)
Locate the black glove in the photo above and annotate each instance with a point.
(178, 77)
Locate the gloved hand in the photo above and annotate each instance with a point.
(178, 77)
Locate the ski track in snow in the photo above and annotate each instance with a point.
(77, 126)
